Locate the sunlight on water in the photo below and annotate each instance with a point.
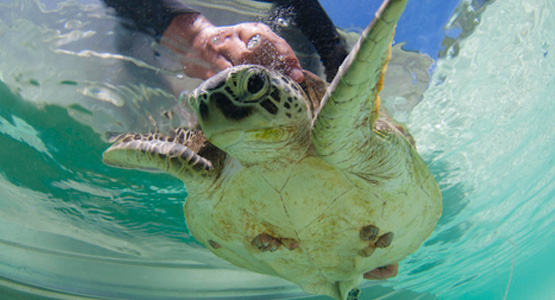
(485, 127)
(487, 130)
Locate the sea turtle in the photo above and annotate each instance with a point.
(284, 180)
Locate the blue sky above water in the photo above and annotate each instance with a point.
(421, 26)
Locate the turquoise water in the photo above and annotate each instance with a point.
(71, 225)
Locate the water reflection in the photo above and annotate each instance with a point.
(485, 127)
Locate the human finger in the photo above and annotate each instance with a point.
(204, 59)
(255, 43)
(283, 60)
(204, 65)
(197, 71)
(232, 48)
(269, 49)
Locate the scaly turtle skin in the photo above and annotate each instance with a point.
(317, 189)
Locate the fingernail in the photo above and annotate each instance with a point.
(297, 75)
(254, 41)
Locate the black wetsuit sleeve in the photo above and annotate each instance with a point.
(311, 18)
(150, 16)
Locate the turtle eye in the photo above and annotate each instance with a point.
(253, 84)
(256, 82)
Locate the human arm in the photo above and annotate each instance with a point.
(312, 20)
(150, 16)
(191, 36)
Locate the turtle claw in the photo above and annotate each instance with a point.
(369, 233)
(385, 240)
(353, 294)
(366, 252)
(214, 245)
(265, 242)
(290, 244)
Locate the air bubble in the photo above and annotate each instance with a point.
(73, 24)
(281, 22)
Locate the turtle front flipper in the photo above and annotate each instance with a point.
(350, 108)
(185, 154)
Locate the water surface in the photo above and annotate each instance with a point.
(69, 224)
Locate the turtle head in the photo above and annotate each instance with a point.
(252, 113)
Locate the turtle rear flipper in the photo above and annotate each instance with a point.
(185, 154)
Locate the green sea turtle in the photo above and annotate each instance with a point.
(305, 183)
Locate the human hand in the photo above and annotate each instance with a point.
(206, 49)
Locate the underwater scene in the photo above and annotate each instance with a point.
(473, 80)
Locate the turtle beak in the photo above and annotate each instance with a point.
(212, 122)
